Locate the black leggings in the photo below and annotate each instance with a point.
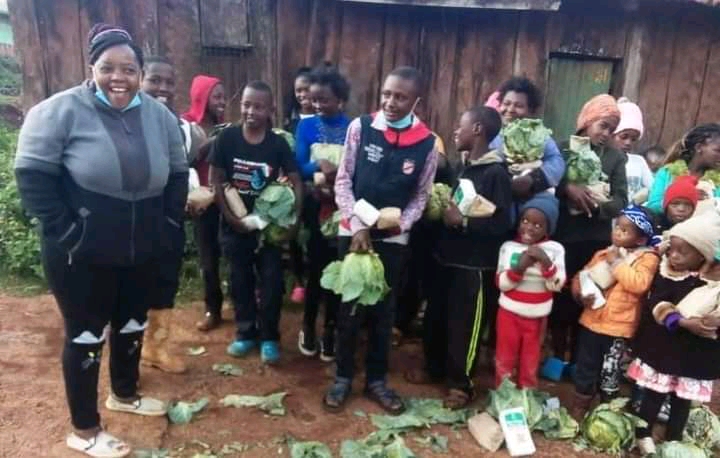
(207, 228)
(92, 298)
(650, 408)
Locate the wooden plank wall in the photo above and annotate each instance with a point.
(668, 54)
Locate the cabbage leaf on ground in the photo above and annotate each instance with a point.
(181, 412)
(271, 404)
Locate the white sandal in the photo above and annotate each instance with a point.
(102, 445)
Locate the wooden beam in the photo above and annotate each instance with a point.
(545, 5)
(29, 51)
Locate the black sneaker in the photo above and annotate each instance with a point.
(327, 347)
(307, 343)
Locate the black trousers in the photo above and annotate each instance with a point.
(379, 317)
(207, 229)
(321, 251)
(99, 302)
(418, 275)
(598, 363)
(650, 408)
(253, 320)
(563, 322)
(452, 325)
(168, 273)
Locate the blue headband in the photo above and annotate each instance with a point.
(640, 219)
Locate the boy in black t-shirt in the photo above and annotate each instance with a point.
(249, 156)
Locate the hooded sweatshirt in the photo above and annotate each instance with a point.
(200, 89)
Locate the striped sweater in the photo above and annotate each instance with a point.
(530, 294)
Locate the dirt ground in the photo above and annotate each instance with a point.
(34, 418)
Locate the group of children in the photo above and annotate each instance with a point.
(605, 275)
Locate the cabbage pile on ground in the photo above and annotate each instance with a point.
(609, 428)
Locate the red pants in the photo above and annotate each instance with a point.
(518, 341)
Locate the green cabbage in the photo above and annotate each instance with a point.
(438, 201)
(287, 136)
(702, 428)
(182, 412)
(508, 396)
(524, 140)
(275, 235)
(329, 227)
(583, 164)
(358, 277)
(608, 429)
(276, 205)
(679, 450)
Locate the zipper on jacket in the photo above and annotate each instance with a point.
(132, 233)
(83, 215)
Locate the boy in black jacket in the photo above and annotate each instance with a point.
(465, 247)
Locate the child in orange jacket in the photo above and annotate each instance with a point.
(623, 274)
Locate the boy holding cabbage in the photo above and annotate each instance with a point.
(246, 160)
(381, 189)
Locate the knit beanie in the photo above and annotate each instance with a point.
(685, 187)
(701, 232)
(630, 117)
(600, 106)
(103, 37)
(494, 101)
(548, 205)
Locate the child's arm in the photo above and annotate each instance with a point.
(657, 192)
(415, 208)
(507, 279)
(344, 196)
(637, 277)
(555, 275)
(302, 150)
(575, 283)
(498, 190)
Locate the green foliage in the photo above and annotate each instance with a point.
(276, 205)
(358, 277)
(181, 412)
(524, 140)
(608, 428)
(10, 76)
(680, 450)
(438, 202)
(19, 240)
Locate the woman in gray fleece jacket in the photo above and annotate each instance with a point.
(102, 166)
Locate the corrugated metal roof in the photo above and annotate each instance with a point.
(544, 5)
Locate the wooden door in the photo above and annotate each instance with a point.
(572, 82)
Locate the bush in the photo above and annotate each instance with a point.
(19, 241)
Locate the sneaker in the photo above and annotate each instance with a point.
(664, 414)
(646, 445)
(240, 348)
(327, 347)
(149, 407)
(103, 445)
(209, 322)
(269, 352)
(307, 343)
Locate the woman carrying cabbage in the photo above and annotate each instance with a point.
(319, 146)
(591, 194)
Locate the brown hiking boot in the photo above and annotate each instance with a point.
(580, 406)
(209, 322)
(154, 350)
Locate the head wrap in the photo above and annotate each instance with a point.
(701, 232)
(548, 205)
(103, 37)
(685, 187)
(600, 106)
(640, 219)
(630, 117)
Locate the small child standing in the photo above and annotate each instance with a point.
(248, 157)
(530, 269)
(679, 203)
(676, 354)
(627, 134)
(602, 339)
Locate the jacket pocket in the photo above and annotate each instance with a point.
(74, 237)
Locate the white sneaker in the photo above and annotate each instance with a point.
(144, 406)
(646, 445)
(103, 445)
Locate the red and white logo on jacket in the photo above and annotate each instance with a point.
(408, 167)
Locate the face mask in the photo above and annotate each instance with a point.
(103, 98)
(406, 121)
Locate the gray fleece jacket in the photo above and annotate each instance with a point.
(108, 186)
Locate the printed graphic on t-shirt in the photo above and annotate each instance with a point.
(249, 177)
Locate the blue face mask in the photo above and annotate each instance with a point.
(402, 123)
(103, 98)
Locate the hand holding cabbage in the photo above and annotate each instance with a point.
(585, 169)
(359, 277)
(524, 144)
